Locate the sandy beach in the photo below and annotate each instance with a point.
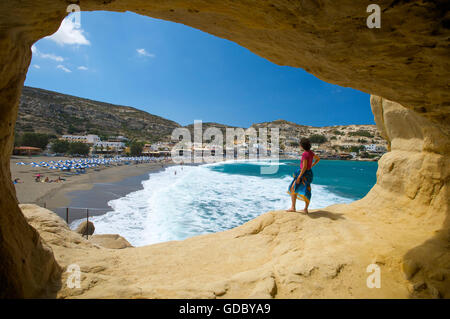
(55, 194)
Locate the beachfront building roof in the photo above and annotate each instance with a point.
(27, 150)
(119, 138)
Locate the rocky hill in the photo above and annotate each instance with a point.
(327, 138)
(330, 139)
(50, 112)
(43, 111)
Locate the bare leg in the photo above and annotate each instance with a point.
(306, 207)
(307, 203)
(293, 200)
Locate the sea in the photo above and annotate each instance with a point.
(184, 201)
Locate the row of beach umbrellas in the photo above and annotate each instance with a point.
(88, 162)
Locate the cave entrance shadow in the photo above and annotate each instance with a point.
(324, 214)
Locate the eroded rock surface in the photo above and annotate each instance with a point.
(402, 226)
(277, 255)
(113, 241)
(405, 61)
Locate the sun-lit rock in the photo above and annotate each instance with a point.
(405, 216)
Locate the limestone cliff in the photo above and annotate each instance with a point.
(404, 219)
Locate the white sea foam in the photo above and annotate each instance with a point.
(197, 200)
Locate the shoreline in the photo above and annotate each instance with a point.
(91, 190)
(54, 195)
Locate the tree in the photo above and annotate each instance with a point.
(78, 148)
(317, 139)
(364, 155)
(60, 146)
(72, 129)
(357, 149)
(17, 139)
(34, 140)
(136, 148)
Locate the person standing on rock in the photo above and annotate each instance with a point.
(300, 187)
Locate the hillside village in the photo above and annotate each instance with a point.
(58, 123)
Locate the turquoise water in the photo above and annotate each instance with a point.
(181, 202)
(348, 179)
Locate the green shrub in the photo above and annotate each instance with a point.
(60, 146)
(78, 148)
(361, 133)
(39, 140)
(136, 148)
(317, 139)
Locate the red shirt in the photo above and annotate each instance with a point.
(309, 156)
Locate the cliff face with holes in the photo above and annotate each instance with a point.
(405, 61)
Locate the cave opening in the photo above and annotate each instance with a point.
(413, 180)
(94, 57)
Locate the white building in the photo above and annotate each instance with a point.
(88, 139)
(119, 138)
(375, 148)
(112, 146)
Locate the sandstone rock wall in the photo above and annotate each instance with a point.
(405, 61)
(414, 176)
(413, 186)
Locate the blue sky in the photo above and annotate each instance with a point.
(184, 74)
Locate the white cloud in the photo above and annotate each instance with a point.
(51, 56)
(62, 67)
(82, 68)
(68, 33)
(56, 58)
(36, 66)
(142, 52)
